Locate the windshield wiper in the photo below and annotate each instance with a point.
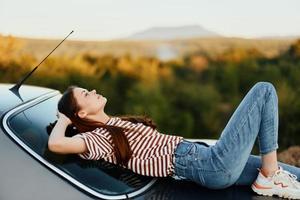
(16, 87)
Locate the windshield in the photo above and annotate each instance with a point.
(29, 125)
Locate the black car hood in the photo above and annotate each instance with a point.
(9, 100)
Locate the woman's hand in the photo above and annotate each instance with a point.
(63, 117)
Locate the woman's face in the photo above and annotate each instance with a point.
(90, 102)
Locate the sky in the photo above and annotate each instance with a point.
(113, 19)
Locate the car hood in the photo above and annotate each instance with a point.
(9, 100)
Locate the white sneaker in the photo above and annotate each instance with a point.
(282, 183)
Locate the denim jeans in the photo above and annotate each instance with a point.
(229, 161)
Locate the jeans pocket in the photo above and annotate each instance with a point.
(184, 148)
(182, 157)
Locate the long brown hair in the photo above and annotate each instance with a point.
(68, 106)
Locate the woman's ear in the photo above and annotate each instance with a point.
(82, 114)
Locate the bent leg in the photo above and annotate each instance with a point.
(256, 116)
(250, 172)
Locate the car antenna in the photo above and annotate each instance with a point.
(16, 87)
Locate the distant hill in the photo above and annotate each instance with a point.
(163, 49)
(170, 33)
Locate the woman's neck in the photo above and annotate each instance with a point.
(100, 117)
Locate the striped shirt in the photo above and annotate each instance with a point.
(152, 151)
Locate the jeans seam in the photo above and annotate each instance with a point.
(274, 144)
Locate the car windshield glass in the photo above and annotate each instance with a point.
(29, 125)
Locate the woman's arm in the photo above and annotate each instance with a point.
(64, 145)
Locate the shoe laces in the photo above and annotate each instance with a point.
(291, 177)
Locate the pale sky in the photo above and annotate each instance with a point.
(111, 19)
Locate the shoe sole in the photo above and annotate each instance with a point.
(269, 192)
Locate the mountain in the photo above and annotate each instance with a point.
(169, 33)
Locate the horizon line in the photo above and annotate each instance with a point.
(291, 36)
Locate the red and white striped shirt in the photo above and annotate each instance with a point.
(152, 151)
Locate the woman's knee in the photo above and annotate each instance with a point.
(266, 87)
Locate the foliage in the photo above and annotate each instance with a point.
(193, 95)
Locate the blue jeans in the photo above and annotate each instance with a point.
(229, 161)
